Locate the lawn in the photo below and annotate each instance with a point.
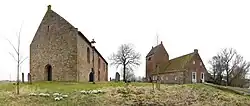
(119, 94)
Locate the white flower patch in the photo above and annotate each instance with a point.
(56, 94)
(57, 98)
(92, 92)
(64, 96)
(44, 94)
(84, 92)
(32, 94)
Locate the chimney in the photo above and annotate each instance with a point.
(152, 47)
(161, 42)
(49, 7)
(195, 51)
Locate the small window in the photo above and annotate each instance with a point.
(99, 64)
(193, 62)
(88, 55)
(200, 63)
(149, 58)
(175, 78)
(193, 75)
(202, 75)
(104, 66)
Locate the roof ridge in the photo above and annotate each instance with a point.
(88, 42)
(152, 51)
(181, 56)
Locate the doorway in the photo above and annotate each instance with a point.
(48, 70)
(91, 76)
(99, 75)
(194, 79)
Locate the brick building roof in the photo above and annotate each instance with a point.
(176, 64)
(153, 50)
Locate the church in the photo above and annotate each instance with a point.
(59, 52)
(188, 68)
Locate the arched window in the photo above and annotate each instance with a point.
(99, 63)
(88, 55)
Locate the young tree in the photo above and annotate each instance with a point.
(19, 59)
(231, 63)
(126, 57)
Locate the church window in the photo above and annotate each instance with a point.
(99, 63)
(88, 55)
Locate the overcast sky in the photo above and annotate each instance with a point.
(182, 25)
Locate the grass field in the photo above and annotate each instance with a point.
(119, 94)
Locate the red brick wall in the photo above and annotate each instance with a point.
(198, 67)
(161, 56)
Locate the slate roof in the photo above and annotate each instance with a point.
(88, 42)
(175, 64)
(153, 50)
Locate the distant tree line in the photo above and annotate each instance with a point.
(229, 68)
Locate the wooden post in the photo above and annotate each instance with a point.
(22, 77)
(158, 78)
(29, 78)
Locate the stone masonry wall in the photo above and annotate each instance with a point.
(55, 44)
(84, 67)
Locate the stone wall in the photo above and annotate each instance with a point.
(84, 67)
(54, 44)
(58, 44)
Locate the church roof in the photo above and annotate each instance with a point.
(86, 39)
(176, 64)
(154, 49)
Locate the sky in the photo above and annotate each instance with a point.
(182, 26)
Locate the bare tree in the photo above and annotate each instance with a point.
(19, 59)
(129, 75)
(126, 57)
(231, 63)
(216, 69)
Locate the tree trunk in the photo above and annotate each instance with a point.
(227, 79)
(124, 74)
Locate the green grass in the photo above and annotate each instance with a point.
(118, 94)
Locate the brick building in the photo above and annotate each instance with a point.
(59, 52)
(187, 68)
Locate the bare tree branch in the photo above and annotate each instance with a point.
(13, 56)
(23, 60)
(126, 57)
(12, 46)
(230, 62)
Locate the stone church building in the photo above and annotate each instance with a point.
(188, 68)
(59, 52)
